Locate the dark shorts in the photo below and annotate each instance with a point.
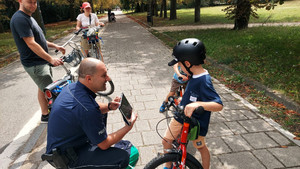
(93, 157)
(40, 74)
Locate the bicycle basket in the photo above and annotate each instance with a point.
(74, 58)
(93, 39)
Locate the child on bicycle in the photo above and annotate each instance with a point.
(179, 79)
(190, 55)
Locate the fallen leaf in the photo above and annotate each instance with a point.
(296, 138)
(283, 146)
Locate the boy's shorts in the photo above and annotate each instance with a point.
(175, 85)
(40, 74)
(85, 44)
(174, 131)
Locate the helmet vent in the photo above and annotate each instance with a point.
(178, 43)
(186, 42)
(195, 44)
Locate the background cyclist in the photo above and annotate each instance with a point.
(87, 19)
(190, 55)
(179, 79)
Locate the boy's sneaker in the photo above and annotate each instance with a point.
(44, 118)
(163, 107)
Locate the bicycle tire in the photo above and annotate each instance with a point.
(96, 51)
(159, 161)
(109, 89)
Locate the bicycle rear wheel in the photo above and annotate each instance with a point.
(110, 88)
(159, 161)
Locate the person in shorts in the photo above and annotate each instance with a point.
(33, 48)
(190, 55)
(85, 20)
(179, 79)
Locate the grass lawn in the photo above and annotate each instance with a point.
(288, 12)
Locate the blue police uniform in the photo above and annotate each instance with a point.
(76, 121)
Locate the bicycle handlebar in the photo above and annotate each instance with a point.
(75, 34)
(180, 110)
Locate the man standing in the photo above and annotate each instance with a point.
(77, 126)
(33, 48)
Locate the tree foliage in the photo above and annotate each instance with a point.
(241, 10)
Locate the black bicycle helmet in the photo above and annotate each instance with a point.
(190, 49)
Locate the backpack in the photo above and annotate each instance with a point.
(131, 150)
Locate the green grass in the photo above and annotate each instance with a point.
(288, 12)
(7, 43)
(270, 55)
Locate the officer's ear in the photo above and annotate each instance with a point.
(88, 78)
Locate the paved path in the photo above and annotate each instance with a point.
(137, 62)
(216, 26)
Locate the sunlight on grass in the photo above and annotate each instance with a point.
(288, 12)
(7, 43)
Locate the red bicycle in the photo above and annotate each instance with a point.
(178, 155)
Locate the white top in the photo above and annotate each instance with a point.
(85, 21)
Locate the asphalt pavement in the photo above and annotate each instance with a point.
(239, 137)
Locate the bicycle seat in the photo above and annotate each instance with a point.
(56, 159)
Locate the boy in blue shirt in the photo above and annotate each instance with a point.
(190, 55)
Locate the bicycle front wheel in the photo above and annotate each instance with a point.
(175, 158)
(110, 88)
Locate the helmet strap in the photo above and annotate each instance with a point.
(187, 68)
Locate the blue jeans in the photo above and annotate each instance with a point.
(92, 157)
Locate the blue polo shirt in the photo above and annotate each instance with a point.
(75, 116)
(200, 88)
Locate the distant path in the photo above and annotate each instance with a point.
(215, 26)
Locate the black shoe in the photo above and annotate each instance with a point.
(44, 118)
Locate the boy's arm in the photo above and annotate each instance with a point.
(176, 70)
(208, 106)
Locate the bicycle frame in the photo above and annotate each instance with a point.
(181, 147)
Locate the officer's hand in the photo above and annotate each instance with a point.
(133, 118)
(115, 104)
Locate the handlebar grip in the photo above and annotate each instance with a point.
(76, 33)
(199, 110)
(180, 78)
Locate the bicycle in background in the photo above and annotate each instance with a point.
(92, 36)
(73, 59)
(178, 155)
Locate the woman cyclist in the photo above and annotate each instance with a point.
(87, 19)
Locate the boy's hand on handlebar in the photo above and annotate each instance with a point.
(190, 108)
(56, 61)
(184, 78)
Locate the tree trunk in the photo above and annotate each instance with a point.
(72, 10)
(37, 15)
(173, 10)
(92, 5)
(165, 8)
(197, 10)
(242, 14)
(161, 10)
